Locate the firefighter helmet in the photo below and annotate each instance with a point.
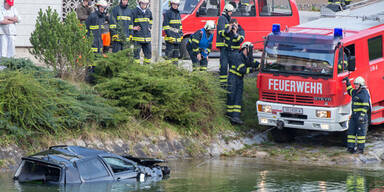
(142, 1)
(10, 2)
(210, 25)
(360, 81)
(229, 8)
(246, 44)
(102, 3)
(174, 2)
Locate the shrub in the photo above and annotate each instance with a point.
(161, 91)
(32, 101)
(62, 45)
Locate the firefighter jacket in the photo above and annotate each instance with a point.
(233, 41)
(239, 64)
(200, 43)
(172, 26)
(95, 25)
(360, 100)
(142, 18)
(120, 22)
(222, 29)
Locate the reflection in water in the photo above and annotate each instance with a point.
(234, 175)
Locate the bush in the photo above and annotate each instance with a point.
(33, 102)
(62, 45)
(161, 91)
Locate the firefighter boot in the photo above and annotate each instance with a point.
(351, 150)
(236, 120)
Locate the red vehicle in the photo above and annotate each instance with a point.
(255, 16)
(300, 80)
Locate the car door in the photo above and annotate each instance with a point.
(121, 169)
(93, 169)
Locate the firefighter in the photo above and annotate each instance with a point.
(173, 31)
(120, 23)
(223, 28)
(199, 46)
(240, 63)
(95, 25)
(358, 123)
(142, 26)
(234, 38)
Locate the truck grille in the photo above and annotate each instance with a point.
(287, 98)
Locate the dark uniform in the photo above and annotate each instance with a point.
(95, 25)
(239, 65)
(337, 5)
(173, 34)
(142, 38)
(201, 43)
(120, 23)
(233, 41)
(358, 122)
(222, 30)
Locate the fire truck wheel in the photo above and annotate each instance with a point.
(183, 48)
(283, 136)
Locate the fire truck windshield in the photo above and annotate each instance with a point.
(185, 7)
(292, 57)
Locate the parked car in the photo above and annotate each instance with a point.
(74, 164)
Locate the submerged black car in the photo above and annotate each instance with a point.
(74, 164)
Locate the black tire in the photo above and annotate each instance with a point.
(283, 136)
(183, 48)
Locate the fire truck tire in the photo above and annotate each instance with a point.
(283, 136)
(183, 48)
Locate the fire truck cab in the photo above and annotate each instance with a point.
(255, 16)
(300, 80)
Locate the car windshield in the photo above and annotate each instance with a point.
(185, 7)
(289, 57)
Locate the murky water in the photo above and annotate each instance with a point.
(235, 175)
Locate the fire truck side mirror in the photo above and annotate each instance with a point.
(352, 63)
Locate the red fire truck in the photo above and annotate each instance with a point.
(300, 80)
(255, 16)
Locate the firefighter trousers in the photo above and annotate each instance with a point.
(117, 46)
(357, 131)
(235, 95)
(146, 47)
(172, 52)
(196, 64)
(224, 60)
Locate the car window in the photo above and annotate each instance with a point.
(274, 8)
(243, 8)
(119, 165)
(92, 169)
(209, 8)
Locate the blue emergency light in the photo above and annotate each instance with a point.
(338, 32)
(276, 29)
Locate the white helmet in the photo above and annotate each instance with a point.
(102, 3)
(210, 25)
(174, 1)
(246, 44)
(359, 80)
(142, 1)
(229, 8)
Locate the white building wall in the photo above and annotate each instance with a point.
(28, 10)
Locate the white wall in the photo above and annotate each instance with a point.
(28, 10)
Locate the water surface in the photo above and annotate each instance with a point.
(235, 175)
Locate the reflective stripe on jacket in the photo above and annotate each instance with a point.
(195, 39)
(95, 25)
(172, 26)
(144, 20)
(120, 19)
(360, 100)
(222, 29)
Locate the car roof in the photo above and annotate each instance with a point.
(67, 154)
